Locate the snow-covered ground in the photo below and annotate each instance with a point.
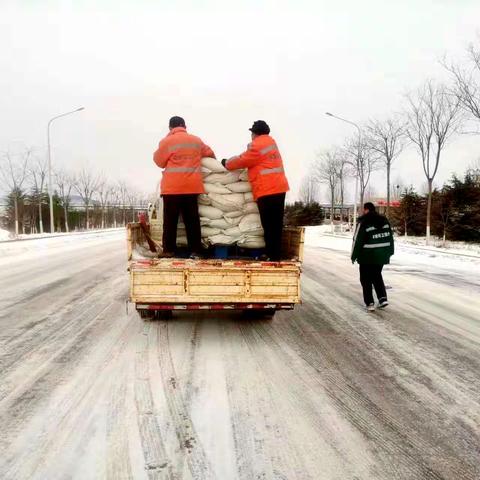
(43, 245)
(452, 247)
(460, 248)
(5, 235)
(327, 391)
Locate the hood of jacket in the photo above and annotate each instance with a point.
(373, 219)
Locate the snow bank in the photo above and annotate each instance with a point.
(5, 235)
(459, 248)
(45, 245)
(404, 253)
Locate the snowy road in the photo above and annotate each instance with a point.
(326, 392)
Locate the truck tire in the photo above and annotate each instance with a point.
(163, 315)
(144, 313)
(257, 313)
(269, 313)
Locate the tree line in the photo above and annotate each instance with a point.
(455, 209)
(82, 199)
(432, 116)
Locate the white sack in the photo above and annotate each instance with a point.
(208, 231)
(248, 197)
(233, 232)
(233, 222)
(213, 165)
(250, 207)
(255, 232)
(205, 221)
(182, 241)
(209, 212)
(223, 178)
(244, 176)
(205, 172)
(222, 239)
(238, 213)
(220, 223)
(217, 188)
(240, 187)
(250, 222)
(252, 242)
(227, 203)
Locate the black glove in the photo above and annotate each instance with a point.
(224, 161)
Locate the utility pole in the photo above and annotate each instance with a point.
(50, 188)
(358, 159)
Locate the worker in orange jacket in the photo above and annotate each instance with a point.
(269, 183)
(180, 155)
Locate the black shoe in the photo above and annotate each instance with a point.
(166, 255)
(382, 303)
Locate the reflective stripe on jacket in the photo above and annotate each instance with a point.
(180, 155)
(265, 167)
(373, 240)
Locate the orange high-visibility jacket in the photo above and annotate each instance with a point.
(180, 154)
(265, 167)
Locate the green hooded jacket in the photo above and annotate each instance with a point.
(373, 240)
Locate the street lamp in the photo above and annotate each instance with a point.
(356, 177)
(50, 189)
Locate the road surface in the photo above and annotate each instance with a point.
(88, 390)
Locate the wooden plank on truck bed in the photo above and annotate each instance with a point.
(191, 285)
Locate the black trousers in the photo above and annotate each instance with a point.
(271, 209)
(371, 276)
(187, 206)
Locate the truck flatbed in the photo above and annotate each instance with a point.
(184, 284)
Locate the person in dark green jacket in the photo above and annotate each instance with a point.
(372, 248)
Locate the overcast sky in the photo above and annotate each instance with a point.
(221, 65)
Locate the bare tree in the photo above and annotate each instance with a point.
(123, 197)
(466, 81)
(64, 182)
(115, 202)
(308, 190)
(342, 173)
(326, 172)
(387, 140)
(86, 184)
(133, 200)
(14, 173)
(433, 116)
(362, 160)
(38, 173)
(104, 194)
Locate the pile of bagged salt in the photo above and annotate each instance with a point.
(228, 213)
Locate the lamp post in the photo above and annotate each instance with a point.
(358, 157)
(50, 189)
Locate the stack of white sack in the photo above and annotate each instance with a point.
(228, 213)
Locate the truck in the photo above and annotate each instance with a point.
(160, 286)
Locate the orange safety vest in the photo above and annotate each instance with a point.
(180, 155)
(265, 167)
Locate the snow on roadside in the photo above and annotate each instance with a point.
(405, 254)
(5, 235)
(460, 248)
(45, 245)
